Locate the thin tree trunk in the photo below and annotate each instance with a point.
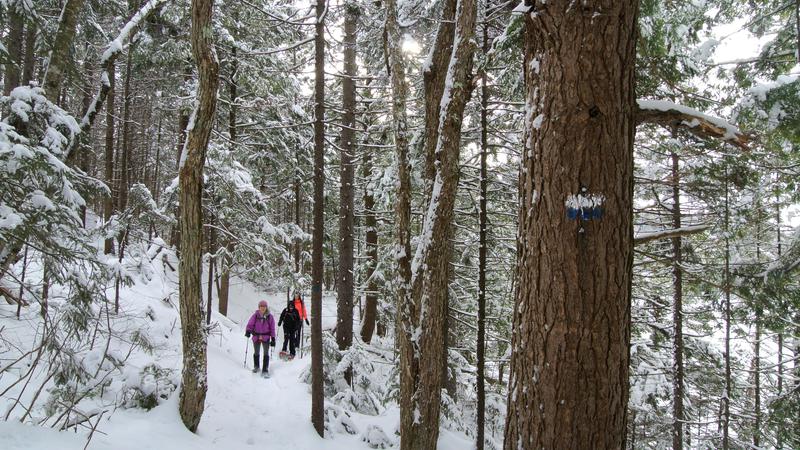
(571, 323)
(757, 344)
(30, 53)
(183, 130)
(227, 256)
(677, 312)
(194, 382)
(108, 202)
(797, 27)
(433, 77)
(22, 280)
(45, 288)
(317, 394)
(211, 250)
(371, 225)
(726, 400)
(225, 278)
(482, 222)
(59, 63)
(297, 220)
(779, 440)
(125, 160)
(407, 320)
(344, 309)
(14, 47)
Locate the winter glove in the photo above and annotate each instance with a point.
(272, 342)
(307, 322)
(247, 333)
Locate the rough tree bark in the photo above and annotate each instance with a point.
(317, 268)
(190, 181)
(571, 322)
(419, 422)
(344, 279)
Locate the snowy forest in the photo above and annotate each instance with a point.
(508, 224)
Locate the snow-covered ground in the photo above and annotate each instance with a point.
(242, 409)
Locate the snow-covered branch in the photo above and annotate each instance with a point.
(667, 234)
(670, 114)
(107, 60)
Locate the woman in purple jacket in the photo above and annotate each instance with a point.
(262, 327)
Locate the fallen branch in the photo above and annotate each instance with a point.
(668, 234)
(11, 299)
(672, 115)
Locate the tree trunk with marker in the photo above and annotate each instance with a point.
(571, 322)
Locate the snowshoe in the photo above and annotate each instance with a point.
(291, 357)
(255, 369)
(265, 374)
(283, 356)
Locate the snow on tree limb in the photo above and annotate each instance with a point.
(670, 114)
(107, 60)
(641, 238)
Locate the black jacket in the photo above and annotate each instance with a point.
(290, 319)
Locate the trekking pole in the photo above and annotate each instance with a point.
(246, 349)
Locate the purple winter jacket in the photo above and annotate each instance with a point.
(261, 327)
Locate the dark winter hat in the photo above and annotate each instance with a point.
(290, 304)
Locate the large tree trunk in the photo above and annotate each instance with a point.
(431, 264)
(317, 394)
(344, 309)
(194, 379)
(571, 323)
(677, 312)
(59, 63)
